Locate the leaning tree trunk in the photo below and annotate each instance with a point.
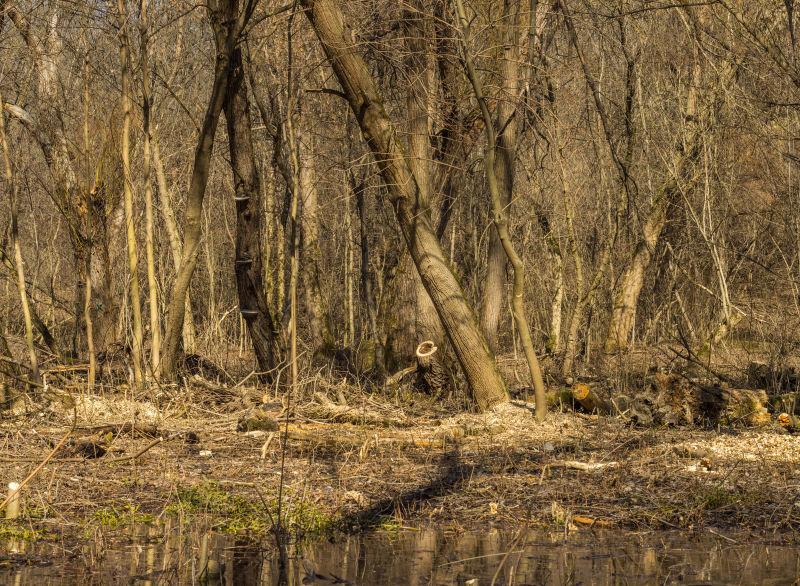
(175, 246)
(263, 328)
(685, 155)
(446, 294)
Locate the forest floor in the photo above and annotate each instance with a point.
(351, 469)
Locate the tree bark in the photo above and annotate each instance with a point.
(130, 226)
(311, 272)
(427, 325)
(263, 328)
(175, 245)
(227, 22)
(455, 313)
(501, 225)
(504, 164)
(152, 286)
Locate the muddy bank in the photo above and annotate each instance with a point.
(501, 469)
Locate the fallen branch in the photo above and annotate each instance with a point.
(36, 470)
(152, 444)
(398, 377)
(584, 466)
(325, 408)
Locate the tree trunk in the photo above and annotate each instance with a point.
(21, 287)
(427, 324)
(261, 325)
(227, 23)
(685, 156)
(455, 313)
(504, 163)
(499, 218)
(311, 273)
(152, 286)
(130, 226)
(175, 246)
(367, 285)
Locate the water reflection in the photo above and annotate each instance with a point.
(174, 555)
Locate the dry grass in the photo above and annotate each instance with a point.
(469, 470)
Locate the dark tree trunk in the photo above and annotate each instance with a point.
(263, 328)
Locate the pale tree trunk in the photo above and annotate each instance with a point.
(21, 287)
(455, 313)
(427, 325)
(174, 239)
(310, 253)
(571, 340)
(87, 304)
(152, 284)
(130, 226)
(499, 215)
(261, 324)
(504, 164)
(629, 287)
(47, 128)
(227, 22)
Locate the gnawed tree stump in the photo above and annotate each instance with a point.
(432, 376)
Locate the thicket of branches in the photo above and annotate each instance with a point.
(177, 174)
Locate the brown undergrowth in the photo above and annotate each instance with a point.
(355, 461)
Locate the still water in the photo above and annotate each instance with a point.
(176, 555)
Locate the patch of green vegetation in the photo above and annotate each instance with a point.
(36, 512)
(116, 517)
(388, 524)
(232, 513)
(717, 497)
(11, 531)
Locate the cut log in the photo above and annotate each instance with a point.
(789, 422)
(590, 399)
(680, 401)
